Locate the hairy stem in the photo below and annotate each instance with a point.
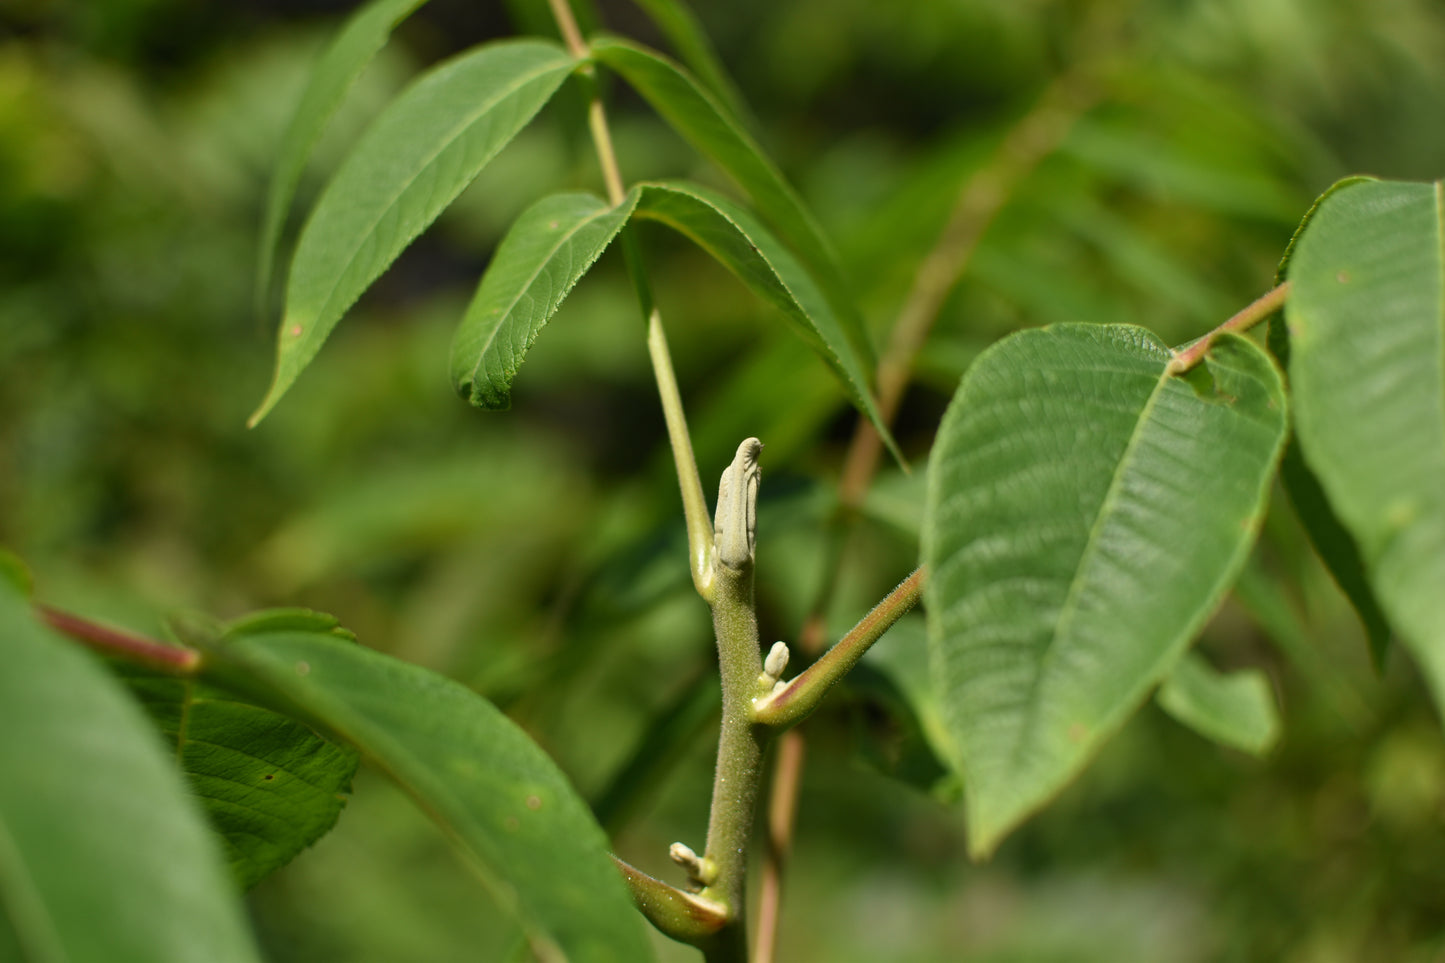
(793, 702)
(1252, 314)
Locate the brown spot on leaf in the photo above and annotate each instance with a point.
(302, 668)
(1078, 732)
(1343, 277)
(269, 776)
(295, 331)
(512, 824)
(534, 803)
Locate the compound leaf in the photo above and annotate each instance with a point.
(1086, 512)
(409, 165)
(552, 244)
(1235, 709)
(1366, 319)
(364, 33)
(495, 793)
(104, 855)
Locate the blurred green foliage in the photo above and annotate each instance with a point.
(538, 554)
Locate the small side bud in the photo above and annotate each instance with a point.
(700, 870)
(777, 661)
(735, 522)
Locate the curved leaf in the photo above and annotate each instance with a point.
(270, 786)
(734, 237)
(493, 791)
(410, 164)
(1366, 318)
(364, 33)
(1235, 709)
(683, 31)
(707, 126)
(552, 244)
(1086, 513)
(104, 857)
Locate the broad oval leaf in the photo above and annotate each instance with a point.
(270, 786)
(104, 856)
(710, 129)
(364, 33)
(409, 165)
(737, 240)
(1086, 512)
(552, 244)
(1366, 318)
(494, 792)
(1235, 709)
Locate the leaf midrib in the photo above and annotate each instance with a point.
(1066, 612)
(456, 133)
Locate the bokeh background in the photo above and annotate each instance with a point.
(538, 554)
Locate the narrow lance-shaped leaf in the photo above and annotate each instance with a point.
(270, 786)
(355, 44)
(709, 128)
(686, 35)
(1086, 513)
(488, 786)
(735, 238)
(411, 163)
(547, 250)
(1366, 319)
(104, 856)
(1235, 709)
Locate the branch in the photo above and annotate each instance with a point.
(1259, 309)
(171, 659)
(792, 702)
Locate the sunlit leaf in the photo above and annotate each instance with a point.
(104, 856)
(737, 240)
(1086, 512)
(1366, 318)
(551, 245)
(707, 126)
(409, 165)
(490, 788)
(270, 786)
(1235, 709)
(364, 33)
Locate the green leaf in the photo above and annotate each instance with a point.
(707, 126)
(410, 164)
(493, 791)
(1366, 318)
(104, 856)
(737, 240)
(16, 572)
(364, 33)
(270, 786)
(551, 245)
(683, 31)
(1235, 710)
(1335, 545)
(1086, 513)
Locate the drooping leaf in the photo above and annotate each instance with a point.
(270, 786)
(737, 240)
(683, 31)
(1235, 709)
(490, 788)
(409, 165)
(104, 856)
(551, 245)
(1366, 318)
(364, 33)
(707, 126)
(1086, 512)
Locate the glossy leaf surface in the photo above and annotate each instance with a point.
(270, 786)
(355, 44)
(1235, 709)
(738, 241)
(409, 165)
(104, 855)
(711, 130)
(1366, 319)
(490, 788)
(1086, 512)
(551, 245)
